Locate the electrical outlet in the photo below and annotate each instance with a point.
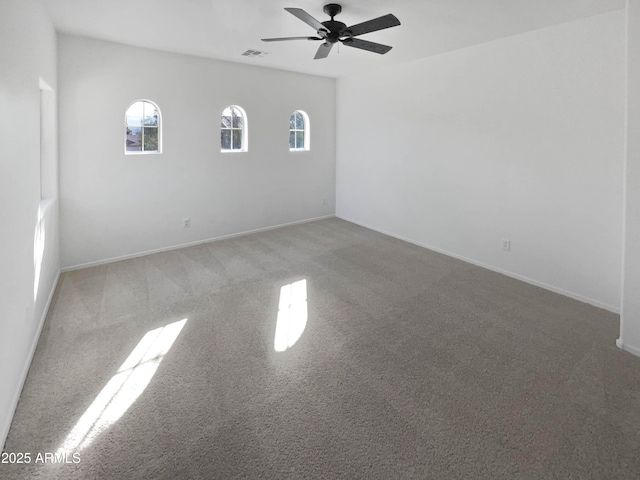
(506, 245)
(187, 223)
(324, 202)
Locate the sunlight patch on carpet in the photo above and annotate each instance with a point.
(292, 315)
(124, 388)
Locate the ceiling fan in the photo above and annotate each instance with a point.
(332, 31)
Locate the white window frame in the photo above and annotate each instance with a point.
(306, 130)
(244, 131)
(159, 127)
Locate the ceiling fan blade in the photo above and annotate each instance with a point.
(365, 45)
(376, 24)
(280, 39)
(323, 50)
(306, 18)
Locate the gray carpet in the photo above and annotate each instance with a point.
(411, 365)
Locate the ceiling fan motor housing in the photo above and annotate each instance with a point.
(335, 30)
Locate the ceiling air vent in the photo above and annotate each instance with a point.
(254, 53)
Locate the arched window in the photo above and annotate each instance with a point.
(233, 130)
(299, 131)
(143, 131)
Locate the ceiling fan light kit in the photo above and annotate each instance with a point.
(332, 31)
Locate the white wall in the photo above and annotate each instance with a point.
(29, 258)
(115, 205)
(520, 138)
(630, 318)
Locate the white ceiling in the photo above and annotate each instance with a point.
(224, 29)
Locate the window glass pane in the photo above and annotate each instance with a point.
(292, 121)
(151, 120)
(299, 121)
(292, 139)
(225, 121)
(150, 114)
(134, 114)
(299, 139)
(237, 139)
(237, 118)
(134, 139)
(225, 139)
(150, 139)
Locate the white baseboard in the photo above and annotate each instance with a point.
(4, 431)
(546, 286)
(190, 244)
(627, 348)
